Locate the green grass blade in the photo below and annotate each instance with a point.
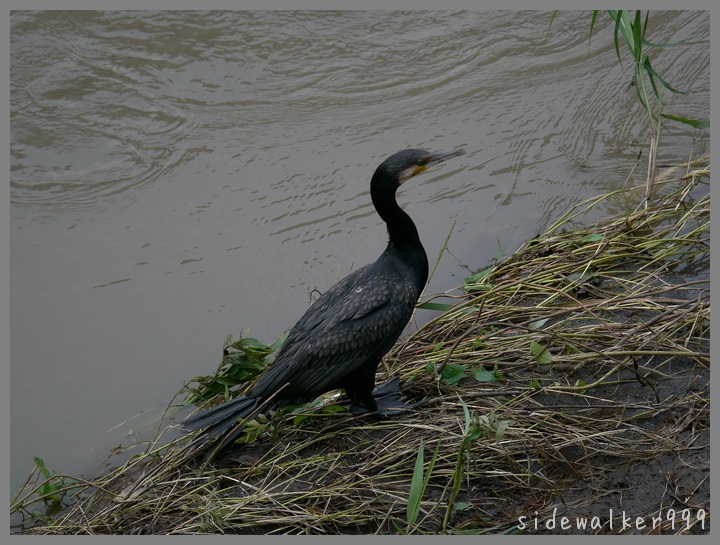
(552, 18)
(651, 71)
(416, 487)
(431, 465)
(419, 484)
(498, 254)
(651, 75)
(696, 123)
(616, 15)
(593, 19)
(637, 35)
(467, 415)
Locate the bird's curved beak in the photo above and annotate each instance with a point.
(439, 157)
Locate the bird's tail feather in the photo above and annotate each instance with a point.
(228, 412)
(230, 415)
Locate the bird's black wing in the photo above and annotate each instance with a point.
(353, 324)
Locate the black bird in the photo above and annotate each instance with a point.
(341, 338)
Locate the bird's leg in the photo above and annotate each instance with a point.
(359, 403)
(359, 388)
(383, 400)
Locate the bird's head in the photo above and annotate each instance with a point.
(405, 164)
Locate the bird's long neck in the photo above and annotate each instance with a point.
(404, 240)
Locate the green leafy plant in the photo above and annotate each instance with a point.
(476, 426)
(646, 81)
(480, 281)
(452, 373)
(631, 30)
(541, 354)
(52, 490)
(243, 361)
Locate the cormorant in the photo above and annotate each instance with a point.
(341, 338)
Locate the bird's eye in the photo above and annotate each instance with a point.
(422, 162)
